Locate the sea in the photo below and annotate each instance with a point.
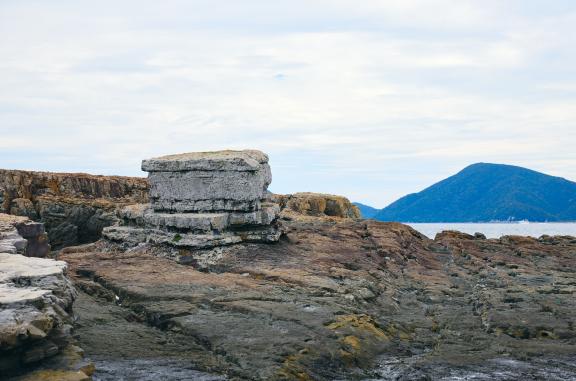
(498, 229)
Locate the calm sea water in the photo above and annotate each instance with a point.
(496, 230)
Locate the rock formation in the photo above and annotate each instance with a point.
(202, 200)
(315, 205)
(222, 181)
(35, 298)
(336, 298)
(74, 207)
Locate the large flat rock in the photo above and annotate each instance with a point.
(228, 160)
(15, 267)
(208, 181)
(35, 304)
(35, 298)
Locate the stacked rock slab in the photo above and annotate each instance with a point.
(202, 200)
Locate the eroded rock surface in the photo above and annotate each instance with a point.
(353, 300)
(306, 204)
(74, 207)
(225, 181)
(202, 200)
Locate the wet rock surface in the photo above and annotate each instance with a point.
(349, 300)
(74, 207)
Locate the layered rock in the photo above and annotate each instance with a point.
(35, 299)
(225, 181)
(74, 207)
(346, 299)
(20, 235)
(202, 200)
(315, 205)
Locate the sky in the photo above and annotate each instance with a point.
(370, 99)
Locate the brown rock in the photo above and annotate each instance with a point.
(316, 205)
(74, 207)
(331, 299)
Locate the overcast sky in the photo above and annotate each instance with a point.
(371, 99)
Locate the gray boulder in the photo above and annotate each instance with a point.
(208, 181)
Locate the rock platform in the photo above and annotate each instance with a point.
(352, 300)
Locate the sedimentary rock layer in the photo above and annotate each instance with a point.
(141, 224)
(35, 305)
(143, 215)
(74, 207)
(202, 200)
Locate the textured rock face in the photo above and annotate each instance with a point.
(316, 205)
(23, 236)
(73, 207)
(354, 300)
(35, 300)
(202, 200)
(208, 181)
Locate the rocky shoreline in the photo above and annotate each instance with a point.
(338, 300)
(327, 297)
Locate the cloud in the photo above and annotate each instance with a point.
(371, 99)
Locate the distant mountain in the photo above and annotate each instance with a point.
(366, 211)
(488, 192)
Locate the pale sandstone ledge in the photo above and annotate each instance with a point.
(205, 200)
(35, 301)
